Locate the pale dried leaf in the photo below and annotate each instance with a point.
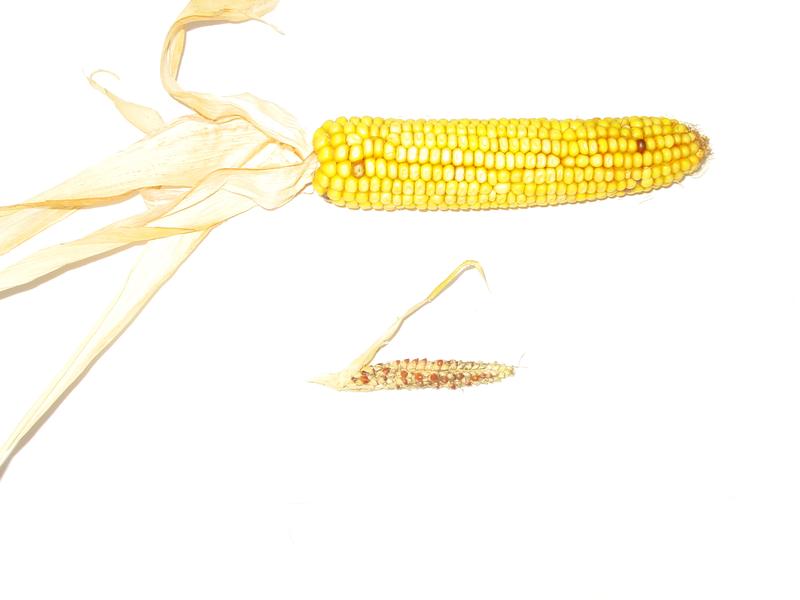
(234, 11)
(272, 120)
(180, 155)
(157, 263)
(224, 194)
(144, 118)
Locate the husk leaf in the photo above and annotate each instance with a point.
(156, 264)
(232, 154)
(144, 118)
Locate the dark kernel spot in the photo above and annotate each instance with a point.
(358, 168)
(641, 146)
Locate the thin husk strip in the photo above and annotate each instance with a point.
(341, 380)
(157, 263)
(144, 118)
(237, 152)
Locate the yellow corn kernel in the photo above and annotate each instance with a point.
(388, 164)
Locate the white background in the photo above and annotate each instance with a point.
(649, 446)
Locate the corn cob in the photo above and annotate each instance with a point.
(422, 373)
(390, 164)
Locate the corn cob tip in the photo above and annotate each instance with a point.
(704, 146)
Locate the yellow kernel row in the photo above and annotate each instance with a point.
(463, 196)
(543, 128)
(398, 174)
(339, 147)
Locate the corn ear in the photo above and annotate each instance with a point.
(391, 164)
(362, 376)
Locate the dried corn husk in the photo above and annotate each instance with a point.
(231, 154)
(342, 379)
